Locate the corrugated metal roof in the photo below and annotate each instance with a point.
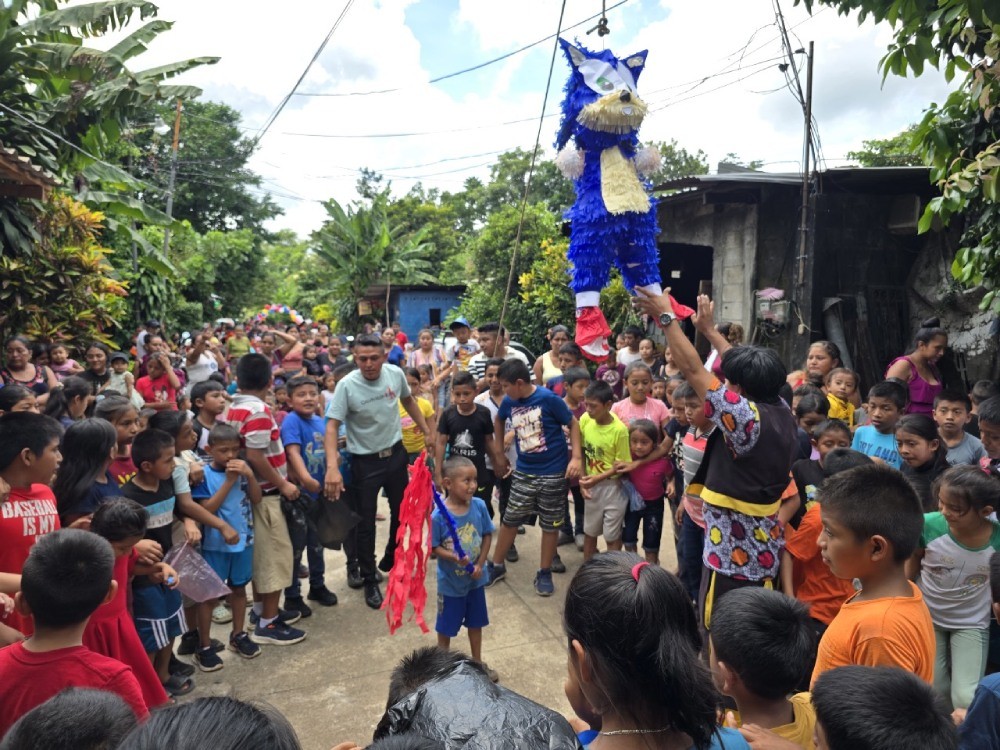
(18, 166)
(845, 177)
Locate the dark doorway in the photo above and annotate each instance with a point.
(683, 268)
(435, 317)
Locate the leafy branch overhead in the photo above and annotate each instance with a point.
(958, 139)
(65, 105)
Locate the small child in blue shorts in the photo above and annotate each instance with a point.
(461, 594)
(228, 490)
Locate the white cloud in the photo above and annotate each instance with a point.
(263, 52)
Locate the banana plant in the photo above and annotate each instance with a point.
(64, 104)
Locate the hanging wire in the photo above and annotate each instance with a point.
(531, 167)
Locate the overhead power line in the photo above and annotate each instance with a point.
(463, 71)
(319, 50)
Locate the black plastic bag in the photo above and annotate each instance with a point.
(332, 521)
(464, 710)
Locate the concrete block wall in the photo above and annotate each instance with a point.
(731, 231)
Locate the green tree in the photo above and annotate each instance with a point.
(64, 103)
(292, 274)
(492, 253)
(420, 209)
(738, 161)
(677, 162)
(361, 247)
(897, 151)
(958, 139)
(214, 190)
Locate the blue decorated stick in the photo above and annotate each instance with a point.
(449, 519)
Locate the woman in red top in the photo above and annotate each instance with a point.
(111, 631)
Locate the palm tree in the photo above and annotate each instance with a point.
(362, 248)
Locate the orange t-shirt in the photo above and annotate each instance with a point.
(815, 585)
(894, 631)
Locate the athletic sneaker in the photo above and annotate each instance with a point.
(222, 614)
(277, 634)
(207, 660)
(543, 583)
(241, 644)
(289, 617)
(558, 566)
(512, 555)
(497, 572)
(190, 643)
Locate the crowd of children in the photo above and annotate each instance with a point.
(827, 540)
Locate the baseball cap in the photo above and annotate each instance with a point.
(152, 323)
(459, 323)
(119, 355)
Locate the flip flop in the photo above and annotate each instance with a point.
(177, 685)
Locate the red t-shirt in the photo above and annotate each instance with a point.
(28, 679)
(401, 339)
(122, 469)
(650, 479)
(27, 515)
(157, 389)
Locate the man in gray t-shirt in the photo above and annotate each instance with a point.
(367, 403)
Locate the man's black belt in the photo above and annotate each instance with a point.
(381, 454)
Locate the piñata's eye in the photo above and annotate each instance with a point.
(605, 84)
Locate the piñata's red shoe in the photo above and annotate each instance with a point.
(592, 333)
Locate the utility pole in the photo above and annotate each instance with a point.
(173, 177)
(806, 175)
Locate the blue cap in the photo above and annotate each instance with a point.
(458, 323)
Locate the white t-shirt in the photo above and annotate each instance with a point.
(954, 579)
(627, 357)
(199, 373)
(477, 365)
(483, 399)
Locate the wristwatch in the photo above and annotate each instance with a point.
(666, 318)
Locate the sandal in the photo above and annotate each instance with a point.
(177, 685)
(178, 667)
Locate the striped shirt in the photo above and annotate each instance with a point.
(258, 430)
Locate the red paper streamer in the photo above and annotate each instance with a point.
(406, 579)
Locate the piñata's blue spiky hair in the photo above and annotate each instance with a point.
(594, 74)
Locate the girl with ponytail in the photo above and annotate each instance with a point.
(634, 674)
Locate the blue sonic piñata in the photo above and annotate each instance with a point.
(613, 221)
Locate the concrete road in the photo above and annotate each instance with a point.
(333, 686)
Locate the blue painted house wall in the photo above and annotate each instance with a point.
(413, 308)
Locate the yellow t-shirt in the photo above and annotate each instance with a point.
(840, 409)
(800, 731)
(603, 444)
(413, 438)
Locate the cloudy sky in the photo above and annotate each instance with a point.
(711, 81)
